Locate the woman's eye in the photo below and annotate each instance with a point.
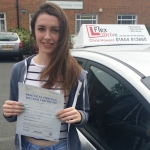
(41, 29)
(55, 30)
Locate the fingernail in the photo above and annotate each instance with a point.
(23, 110)
(57, 117)
(23, 107)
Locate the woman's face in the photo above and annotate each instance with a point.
(46, 33)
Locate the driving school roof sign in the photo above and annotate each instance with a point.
(111, 34)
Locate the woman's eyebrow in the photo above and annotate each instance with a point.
(55, 27)
(40, 26)
(51, 27)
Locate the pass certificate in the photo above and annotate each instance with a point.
(39, 118)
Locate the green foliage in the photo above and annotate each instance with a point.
(25, 38)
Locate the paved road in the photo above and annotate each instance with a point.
(7, 130)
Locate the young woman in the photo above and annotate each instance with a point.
(55, 69)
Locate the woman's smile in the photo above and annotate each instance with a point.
(47, 45)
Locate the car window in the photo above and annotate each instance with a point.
(117, 120)
(8, 37)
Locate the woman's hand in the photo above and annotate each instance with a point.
(69, 115)
(12, 108)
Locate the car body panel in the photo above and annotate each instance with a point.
(86, 145)
(136, 56)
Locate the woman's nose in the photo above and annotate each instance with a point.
(47, 35)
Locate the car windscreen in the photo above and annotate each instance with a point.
(8, 37)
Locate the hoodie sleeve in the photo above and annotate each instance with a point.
(13, 95)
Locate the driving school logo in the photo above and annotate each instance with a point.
(96, 31)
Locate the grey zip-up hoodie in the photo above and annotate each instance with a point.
(78, 98)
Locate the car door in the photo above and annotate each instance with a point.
(119, 118)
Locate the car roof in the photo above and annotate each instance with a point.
(8, 33)
(136, 56)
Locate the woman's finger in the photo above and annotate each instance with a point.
(6, 106)
(70, 115)
(10, 102)
(10, 114)
(11, 108)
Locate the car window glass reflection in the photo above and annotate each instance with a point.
(8, 37)
(117, 120)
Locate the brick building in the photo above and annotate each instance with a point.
(18, 14)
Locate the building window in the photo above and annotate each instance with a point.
(85, 19)
(2, 22)
(127, 19)
(30, 18)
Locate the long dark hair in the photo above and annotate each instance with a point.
(62, 66)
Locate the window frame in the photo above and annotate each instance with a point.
(84, 61)
(5, 27)
(122, 15)
(121, 79)
(76, 29)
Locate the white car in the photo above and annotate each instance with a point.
(11, 45)
(119, 94)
